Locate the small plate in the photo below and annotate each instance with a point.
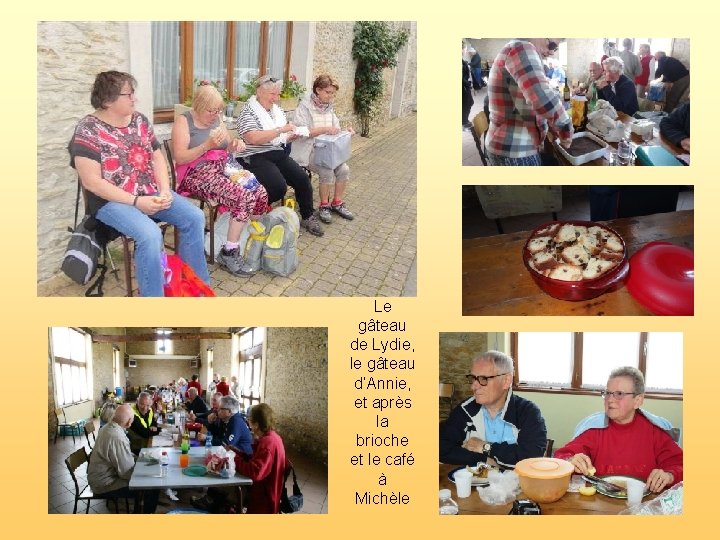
(619, 480)
(195, 470)
(476, 481)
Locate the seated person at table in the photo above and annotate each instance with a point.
(676, 126)
(595, 71)
(144, 423)
(195, 383)
(112, 463)
(616, 88)
(626, 440)
(493, 425)
(236, 431)
(557, 73)
(210, 415)
(195, 403)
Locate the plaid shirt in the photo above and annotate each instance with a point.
(522, 103)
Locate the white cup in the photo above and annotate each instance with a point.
(635, 491)
(463, 483)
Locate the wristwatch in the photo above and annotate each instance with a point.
(486, 448)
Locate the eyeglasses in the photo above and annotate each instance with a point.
(266, 79)
(131, 95)
(224, 409)
(551, 45)
(617, 394)
(482, 380)
(214, 111)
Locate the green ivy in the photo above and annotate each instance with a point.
(375, 47)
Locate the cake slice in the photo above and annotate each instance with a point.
(575, 254)
(544, 261)
(597, 267)
(566, 272)
(566, 234)
(538, 244)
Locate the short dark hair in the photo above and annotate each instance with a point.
(194, 377)
(324, 81)
(263, 416)
(108, 86)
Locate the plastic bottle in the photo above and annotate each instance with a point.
(448, 507)
(164, 464)
(208, 443)
(624, 151)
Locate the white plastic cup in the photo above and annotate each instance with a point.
(635, 492)
(463, 483)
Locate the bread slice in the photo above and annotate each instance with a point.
(566, 234)
(538, 244)
(590, 242)
(576, 255)
(613, 243)
(544, 261)
(597, 267)
(566, 272)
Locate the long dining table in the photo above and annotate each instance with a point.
(570, 503)
(496, 282)
(634, 139)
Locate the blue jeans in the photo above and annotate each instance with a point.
(185, 216)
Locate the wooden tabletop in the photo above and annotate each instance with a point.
(635, 140)
(496, 282)
(570, 503)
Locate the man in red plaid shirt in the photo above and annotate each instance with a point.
(523, 106)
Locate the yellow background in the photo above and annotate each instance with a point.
(437, 307)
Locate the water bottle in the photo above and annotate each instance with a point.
(251, 183)
(448, 507)
(164, 464)
(208, 443)
(624, 151)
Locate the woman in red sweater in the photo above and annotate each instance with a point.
(266, 466)
(629, 443)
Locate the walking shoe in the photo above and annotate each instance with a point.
(342, 210)
(324, 214)
(232, 261)
(312, 224)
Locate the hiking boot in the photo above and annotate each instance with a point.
(312, 224)
(324, 214)
(232, 261)
(342, 210)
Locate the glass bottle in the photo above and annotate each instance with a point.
(448, 507)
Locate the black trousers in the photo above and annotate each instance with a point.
(148, 498)
(276, 171)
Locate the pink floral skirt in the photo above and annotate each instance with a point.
(208, 181)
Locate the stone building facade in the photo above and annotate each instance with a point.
(70, 54)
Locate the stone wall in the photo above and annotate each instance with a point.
(409, 103)
(69, 55)
(296, 387)
(457, 350)
(52, 419)
(102, 354)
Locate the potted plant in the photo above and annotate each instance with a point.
(227, 99)
(291, 93)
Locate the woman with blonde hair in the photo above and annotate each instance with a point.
(201, 145)
(316, 112)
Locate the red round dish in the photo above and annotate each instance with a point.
(577, 291)
(662, 278)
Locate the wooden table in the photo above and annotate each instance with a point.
(146, 476)
(570, 503)
(635, 141)
(496, 282)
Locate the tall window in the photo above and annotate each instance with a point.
(231, 52)
(163, 343)
(251, 366)
(117, 366)
(583, 360)
(69, 353)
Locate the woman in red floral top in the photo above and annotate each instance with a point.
(125, 176)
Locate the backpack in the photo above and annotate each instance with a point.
(181, 280)
(280, 253)
(83, 252)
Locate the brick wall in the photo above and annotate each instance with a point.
(296, 387)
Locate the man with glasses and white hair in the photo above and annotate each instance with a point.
(616, 88)
(237, 433)
(493, 425)
(625, 439)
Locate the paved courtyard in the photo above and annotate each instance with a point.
(373, 255)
